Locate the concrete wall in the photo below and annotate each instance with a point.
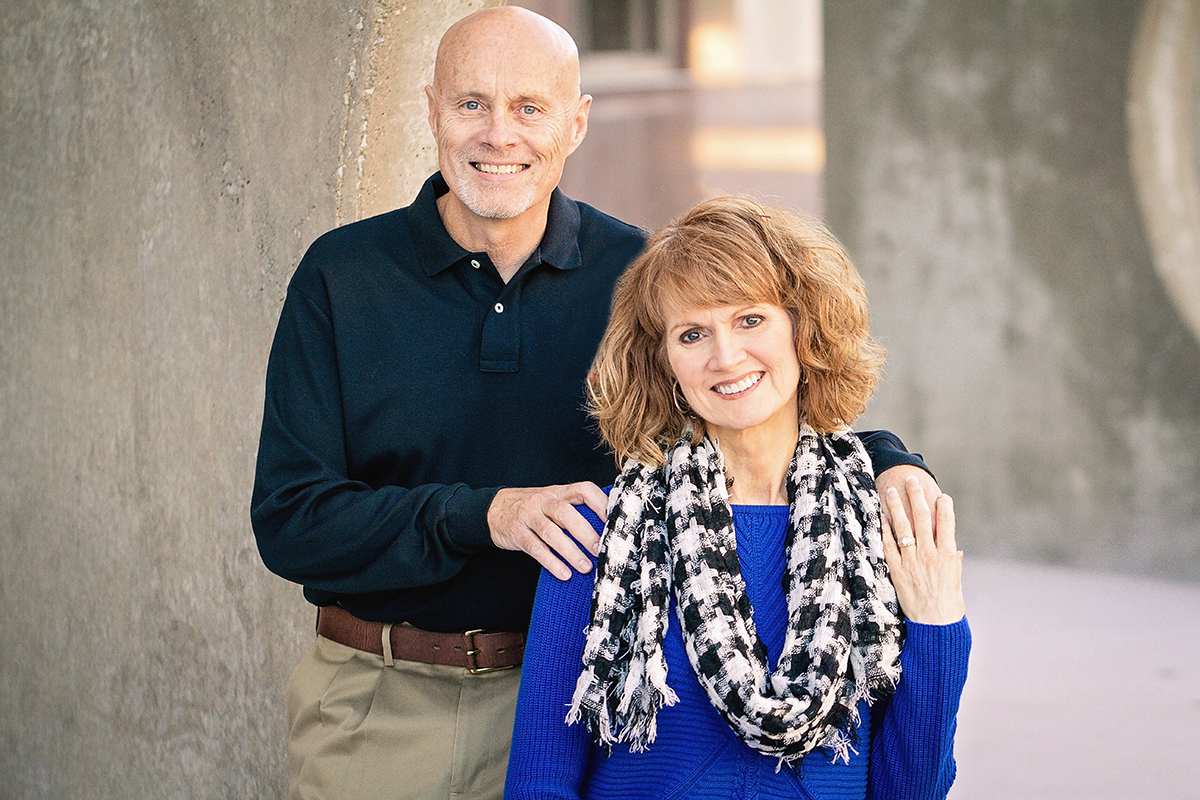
(979, 171)
(162, 169)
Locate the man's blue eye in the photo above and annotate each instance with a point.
(528, 110)
(471, 105)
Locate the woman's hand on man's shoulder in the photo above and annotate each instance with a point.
(926, 568)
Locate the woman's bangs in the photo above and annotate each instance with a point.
(713, 282)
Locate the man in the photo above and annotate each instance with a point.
(427, 371)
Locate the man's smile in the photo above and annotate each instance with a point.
(499, 169)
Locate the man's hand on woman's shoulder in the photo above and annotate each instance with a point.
(533, 520)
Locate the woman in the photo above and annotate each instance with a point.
(742, 637)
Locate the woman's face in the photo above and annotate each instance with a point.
(737, 365)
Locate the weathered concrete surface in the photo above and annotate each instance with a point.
(979, 171)
(1164, 132)
(162, 168)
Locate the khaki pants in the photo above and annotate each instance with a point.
(361, 730)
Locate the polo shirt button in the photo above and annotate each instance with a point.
(499, 308)
(474, 263)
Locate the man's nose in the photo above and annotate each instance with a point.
(501, 130)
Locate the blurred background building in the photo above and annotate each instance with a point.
(695, 98)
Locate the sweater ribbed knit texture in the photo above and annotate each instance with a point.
(906, 742)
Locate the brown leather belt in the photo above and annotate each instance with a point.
(476, 651)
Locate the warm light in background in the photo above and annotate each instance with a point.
(726, 101)
(794, 150)
(715, 54)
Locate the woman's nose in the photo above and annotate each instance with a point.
(726, 351)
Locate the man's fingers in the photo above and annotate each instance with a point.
(542, 554)
(581, 531)
(592, 496)
(559, 520)
(563, 545)
(545, 519)
(559, 513)
(532, 520)
(546, 543)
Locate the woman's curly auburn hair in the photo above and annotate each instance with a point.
(727, 251)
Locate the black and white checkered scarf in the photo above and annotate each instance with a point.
(670, 529)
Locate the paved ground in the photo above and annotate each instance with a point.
(1082, 685)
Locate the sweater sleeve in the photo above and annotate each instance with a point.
(314, 524)
(549, 758)
(912, 741)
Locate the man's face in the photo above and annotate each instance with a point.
(506, 112)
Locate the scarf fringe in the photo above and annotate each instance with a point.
(615, 723)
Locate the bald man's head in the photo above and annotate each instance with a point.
(508, 27)
(505, 110)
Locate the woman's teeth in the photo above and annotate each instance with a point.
(741, 386)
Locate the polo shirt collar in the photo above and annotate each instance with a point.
(437, 251)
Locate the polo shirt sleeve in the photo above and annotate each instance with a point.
(887, 451)
(316, 526)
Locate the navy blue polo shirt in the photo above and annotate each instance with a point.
(407, 383)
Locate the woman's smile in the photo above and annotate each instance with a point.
(741, 386)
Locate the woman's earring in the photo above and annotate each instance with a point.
(676, 391)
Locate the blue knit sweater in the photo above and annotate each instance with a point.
(905, 749)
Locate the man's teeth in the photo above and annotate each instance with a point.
(741, 386)
(499, 169)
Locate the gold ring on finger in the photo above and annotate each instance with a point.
(907, 541)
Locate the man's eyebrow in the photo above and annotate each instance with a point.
(465, 94)
(535, 99)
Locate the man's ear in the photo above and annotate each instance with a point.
(432, 108)
(580, 121)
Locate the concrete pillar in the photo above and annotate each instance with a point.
(162, 169)
(979, 172)
(1164, 127)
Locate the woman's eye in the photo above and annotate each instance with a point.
(753, 320)
(690, 336)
